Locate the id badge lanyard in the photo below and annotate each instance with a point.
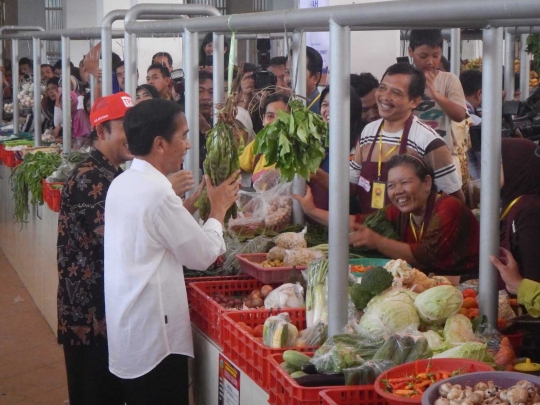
(378, 191)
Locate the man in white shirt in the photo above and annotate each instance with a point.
(149, 236)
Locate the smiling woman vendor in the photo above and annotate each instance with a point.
(438, 233)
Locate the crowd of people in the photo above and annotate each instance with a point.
(122, 308)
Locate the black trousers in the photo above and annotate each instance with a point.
(166, 384)
(89, 380)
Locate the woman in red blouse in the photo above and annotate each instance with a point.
(437, 233)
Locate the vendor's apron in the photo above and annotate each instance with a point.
(370, 170)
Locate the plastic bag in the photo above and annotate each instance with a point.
(404, 348)
(62, 173)
(267, 181)
(285, 296)
(292, 240)
(242, 226)
(367, 373)
(276, 253)
(301, 257)
(315, 335)
(260, 244)
(279, 332)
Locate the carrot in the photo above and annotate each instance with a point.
(422, 385)
(404, 393)
(399, 386)
(398, 380)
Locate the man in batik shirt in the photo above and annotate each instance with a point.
(81, 303)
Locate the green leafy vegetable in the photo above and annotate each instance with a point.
(295, 142)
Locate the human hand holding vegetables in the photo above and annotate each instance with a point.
(189, 203)
(509, 270)
(363, 236)
(222, 197)
(182, 181)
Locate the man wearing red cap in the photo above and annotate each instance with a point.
(81, 303)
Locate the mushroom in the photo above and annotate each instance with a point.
(467, 402)
(530, 387)
(517, 395)
(468, 391)
(453, 402)
(491, 390)
(481, 386)
(476, 397)
(442, 401)
(444, 389)
(456, 394)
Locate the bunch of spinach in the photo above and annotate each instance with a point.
(295, 142)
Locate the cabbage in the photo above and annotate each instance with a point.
(434, 340)
(395, 294)
(469, 350)
(386, 318)
(458, 329)
(438, 303)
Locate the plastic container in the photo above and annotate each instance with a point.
(268, 275)
(10, 159)
(503, 379)
(189, 280)
(52, 196)
(248, 352)
(466, 366)
(283, 390)
(352, 395)
(206, 313)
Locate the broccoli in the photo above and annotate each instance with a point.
(374, 282)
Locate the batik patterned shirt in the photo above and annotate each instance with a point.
(81, 302)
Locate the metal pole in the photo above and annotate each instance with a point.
(524, 69)
(36, 48)
(191, 71)
(455, 51)
(106, 51)
(491, 169)
(66, 97)
(299, 84)
(1, 81)
(338, 232)
(218, 71)
(445, 48)
(248, 51)
(93, 81)
(130, 64)
(509, 66)
(15, 86)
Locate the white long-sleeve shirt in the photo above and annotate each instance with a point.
(149, 236)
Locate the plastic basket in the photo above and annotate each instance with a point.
(206, 313)
(516, 340)
(283, 390)
(352, 395)
(188, 281)
(503, 379)
(249, 265)
(248, 352)
(52, 196)
(10, 159)
(464, 365)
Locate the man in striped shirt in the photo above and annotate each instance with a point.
(400, 132)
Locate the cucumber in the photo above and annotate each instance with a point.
(298, 374)
(295, 359)
(288, 368)
(419, 351)
(386, 351)
(402, 349)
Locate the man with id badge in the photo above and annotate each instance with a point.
(399, 132)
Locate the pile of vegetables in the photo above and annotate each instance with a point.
(26, 181)
(374, 282)
(295, 142)
(254, 300)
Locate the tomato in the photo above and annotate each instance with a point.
(464, 311)
(501, 324)
(473, 313)
(469, 302)
(469, 292)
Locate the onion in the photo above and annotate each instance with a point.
(265, 290)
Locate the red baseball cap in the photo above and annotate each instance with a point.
(110, 108)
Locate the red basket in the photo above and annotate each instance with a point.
(248, 352)
(466, 366)
(351, 395)
(190, 280)
(206, 313)
(284, 390)
(2, 149)
(51, 195)
(10, 159)
(268, 275)
(516, 340)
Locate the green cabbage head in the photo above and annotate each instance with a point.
(438, 303)
(458, 329)
(470, 350)
(388, 317)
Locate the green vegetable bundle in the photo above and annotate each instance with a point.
(221, 161)
(295, 142)
(316, 292)
(26, 179)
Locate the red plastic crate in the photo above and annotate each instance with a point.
(268, 275)
(284, 390)
(247, 351)
(206, 313)
(52, 196)
(2, 148)
(10, 159)
(352, 395)
(190, 280)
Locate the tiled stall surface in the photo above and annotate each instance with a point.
(32, 367)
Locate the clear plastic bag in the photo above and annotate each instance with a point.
(62, 173)
(367, 373)
(292, 240)
(285, 296)
(276, 253)
(315, 335)
(301, 257)
(404, 348)
(279, 332)
(316, 292)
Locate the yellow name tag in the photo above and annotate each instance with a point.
(378, 193)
